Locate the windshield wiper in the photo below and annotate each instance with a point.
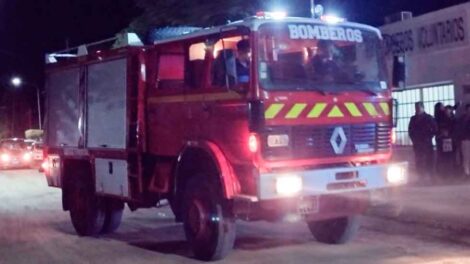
(368, 91)
(359, 87)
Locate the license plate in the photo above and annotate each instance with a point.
(309, 206)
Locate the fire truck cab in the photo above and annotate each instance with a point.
(262, 119)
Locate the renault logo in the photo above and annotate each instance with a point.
(338, 140)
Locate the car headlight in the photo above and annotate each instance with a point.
(5, 157)
(396, 174)
(27, 156)
(288, 185)
(278, 141)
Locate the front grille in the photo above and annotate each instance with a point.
(314, 141)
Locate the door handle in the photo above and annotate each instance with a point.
(110, 168)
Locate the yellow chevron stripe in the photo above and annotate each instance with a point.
(317, 110)
(385, 107)
(371, 109)
(273, 110)
(353, 110)
(335, 112)
(295, 111)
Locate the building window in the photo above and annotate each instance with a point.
(429, 95)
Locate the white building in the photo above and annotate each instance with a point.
(437, 50)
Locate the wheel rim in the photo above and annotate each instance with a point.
(198, 217)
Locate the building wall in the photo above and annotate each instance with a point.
(437, 47)
(437, 51)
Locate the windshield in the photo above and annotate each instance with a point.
(315, 56)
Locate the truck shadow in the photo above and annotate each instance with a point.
(170, 239)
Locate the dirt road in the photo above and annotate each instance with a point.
(34, 229)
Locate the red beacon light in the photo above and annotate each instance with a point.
(271, 15)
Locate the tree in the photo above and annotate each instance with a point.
(200, 13)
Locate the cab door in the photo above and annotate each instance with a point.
(221, 111)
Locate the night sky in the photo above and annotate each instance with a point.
(30, 28)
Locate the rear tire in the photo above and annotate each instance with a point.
(86, 209)
(113, 216)
(335, 231)
(209, 228)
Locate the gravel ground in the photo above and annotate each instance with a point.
(34, 229)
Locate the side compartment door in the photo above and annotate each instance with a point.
(63, 110)
(107, 104)
(107, 124)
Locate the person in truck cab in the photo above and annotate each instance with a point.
(422, 129)
(324, 65)
(243, 61)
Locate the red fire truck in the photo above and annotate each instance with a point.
(267, 118)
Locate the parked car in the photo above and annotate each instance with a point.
(14, 153)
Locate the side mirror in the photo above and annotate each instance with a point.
(224, 71)
(230, 70)
(256, 115)
(395, 112)
(399, 71)
(232, 81)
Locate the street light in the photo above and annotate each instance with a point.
(17, 82)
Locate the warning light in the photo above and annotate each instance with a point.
(332, 19)
(253, 143)
(272, 15)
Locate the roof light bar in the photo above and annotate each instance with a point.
(332, 19)
(272, 15)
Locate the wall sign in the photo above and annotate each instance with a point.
(422, 35)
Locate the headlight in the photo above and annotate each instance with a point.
(27, 156)
(278, 141)
(45, 165)
(396, 175)
(5, 157)
(288, 185)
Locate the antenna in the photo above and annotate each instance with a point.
(312, 8)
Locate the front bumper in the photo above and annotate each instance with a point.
(14, 163)
(341, 180)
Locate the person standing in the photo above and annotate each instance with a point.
(465, 140)
(422, 128)
(445, 141)
(439, 117)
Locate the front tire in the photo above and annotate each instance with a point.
(335, 231)
(113, 216)
(209, 228)
(86, 209)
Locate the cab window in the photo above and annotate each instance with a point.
(170, 70)
(218, 63)
(232, 59)
(196, 65)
